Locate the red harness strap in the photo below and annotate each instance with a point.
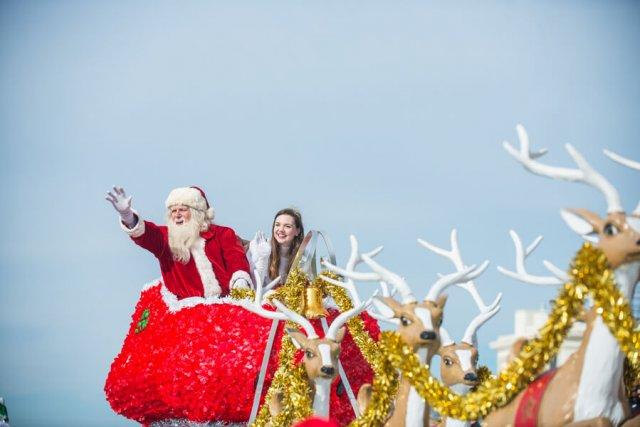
(527, 413)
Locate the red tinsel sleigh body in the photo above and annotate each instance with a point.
(199, 360)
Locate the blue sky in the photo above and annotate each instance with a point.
(382, 119)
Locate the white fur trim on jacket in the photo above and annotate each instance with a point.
(137, 230)
(208, 277)
(240, 275)
(152, 283)
(174, 304)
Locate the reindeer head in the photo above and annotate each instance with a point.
(617, 234)
(320, 354)
(458, 364)
(417, 322)
(459, 361)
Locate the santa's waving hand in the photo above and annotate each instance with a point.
(122, 204)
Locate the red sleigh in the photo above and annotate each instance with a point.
(199, 360)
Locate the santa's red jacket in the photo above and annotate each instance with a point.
(217, 260)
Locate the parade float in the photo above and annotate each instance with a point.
(220, 361)
(213, 359)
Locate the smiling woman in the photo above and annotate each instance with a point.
(272, 259)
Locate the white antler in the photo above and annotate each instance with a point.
(297, 318)
(622, 160)
(385, 290)
(466, 274)
(354, 259)
(380, 274)
(585, 173)
(628, 163)
(454, 256)
(391, 278)
(256, 305)
(260, 291)
(384, 313)
(556, 271)
(344, 317)
(470, 333)
(521, 274)
(445, 338)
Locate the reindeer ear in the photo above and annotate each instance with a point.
(634, 222)
(388, 306)
(276, 403)
(340, 334)
(583, 222)
(442, 300)
(299, 339)
(385, 306)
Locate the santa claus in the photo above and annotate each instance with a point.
(197, 258)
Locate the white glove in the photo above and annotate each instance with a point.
(240, 284)
(259, 248)
(122, 204)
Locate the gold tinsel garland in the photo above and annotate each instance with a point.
(631, 377)
(590, 273)
(289, 379)
(484, 374)
(242, 293)
(611, 304)
(615, 311)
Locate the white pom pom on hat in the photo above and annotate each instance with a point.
(192, 197)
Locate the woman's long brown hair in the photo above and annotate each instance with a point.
(274, 258)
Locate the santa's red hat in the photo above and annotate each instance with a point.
(192, 197)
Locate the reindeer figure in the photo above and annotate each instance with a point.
(458, 362)
(418, 323)
(320, 354)
(587, 389)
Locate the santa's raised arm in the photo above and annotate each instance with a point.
(197, 258)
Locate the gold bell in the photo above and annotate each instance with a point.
(313, 308)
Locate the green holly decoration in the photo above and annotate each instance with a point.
(144, 320)
(4, 416)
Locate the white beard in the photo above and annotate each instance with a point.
(182, 238)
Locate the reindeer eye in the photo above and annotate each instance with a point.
(439, 322)
(309, 354)
(610, 229)
(405, 321)
(448, 361)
